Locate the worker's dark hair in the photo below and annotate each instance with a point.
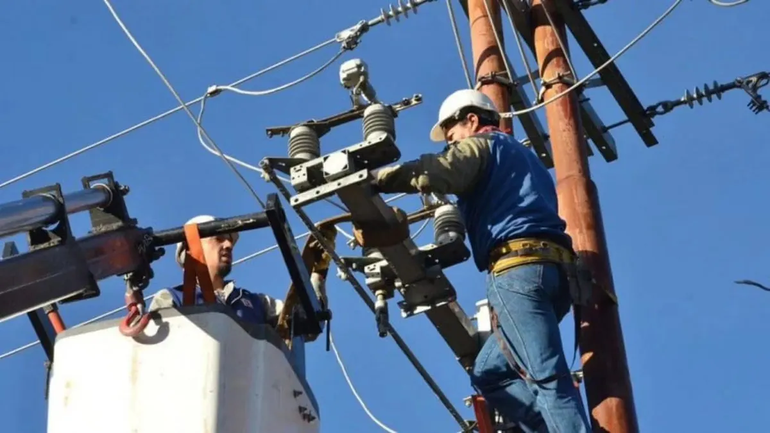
(486, 118)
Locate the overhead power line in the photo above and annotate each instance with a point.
(163, 115)
(600, 68)
(459, 43)
(181, 102)
(353, 388)
(613, 58)
(244, 164)
(347, 38)
(728, 4)
(520, 46)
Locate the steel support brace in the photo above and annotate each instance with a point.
(483, 414)
(457, 330)
(432, 292)
(44, 331)
(40, 323)
(529, 121)
(520, 12)
(314, 314)
(51, 274)
(611, 76)
(270, 175)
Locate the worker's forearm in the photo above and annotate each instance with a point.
(452, 172)
(396, 179)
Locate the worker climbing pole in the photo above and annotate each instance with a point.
(608, 384)
(607, 379)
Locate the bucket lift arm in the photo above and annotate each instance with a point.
(60, 268)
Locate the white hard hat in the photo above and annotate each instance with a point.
(200, 219)
(456, 102)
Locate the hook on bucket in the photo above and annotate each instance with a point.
(135, 321)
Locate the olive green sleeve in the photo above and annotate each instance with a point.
(454, 171)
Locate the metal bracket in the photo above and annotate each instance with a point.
(380, 276)
(751, 86)
(115, 213)
(40, 237)
(321, 127)
(421, 295)
(377, 151)
(40, 323)
(354, 191)
(595, 127)
(350, 38)
(314, 314)
(538, 138)
(611, 76)
(446, 254)
(56, 270)
(495, 78)
(561, 78)
(329, 189)
(589, 84)
(61, 235)
(520, 14)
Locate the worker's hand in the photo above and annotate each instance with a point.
(375, 186)
(378, 236)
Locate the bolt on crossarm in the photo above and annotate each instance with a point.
(607, 379)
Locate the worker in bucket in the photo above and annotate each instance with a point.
(251, 307)
(508, 202)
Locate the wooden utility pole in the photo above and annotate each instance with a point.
(608, 384)
(487, 57)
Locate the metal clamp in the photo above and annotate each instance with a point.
(565, 78)
(350, 38)
(61, 235)
(751, 86)
(323, 126)
(501, 78)
(113, 213)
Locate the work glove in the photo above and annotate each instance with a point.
(373, 184)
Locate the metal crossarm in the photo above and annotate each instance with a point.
(415, 272)
(520, 13)
(344, 269)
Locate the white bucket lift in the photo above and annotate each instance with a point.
(195, 370)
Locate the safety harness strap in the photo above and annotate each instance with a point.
(196, 271)
(496, 330)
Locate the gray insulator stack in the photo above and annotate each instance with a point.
(304, 143)
(378, 118)
(447, 222)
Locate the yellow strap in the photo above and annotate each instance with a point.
(541, 251)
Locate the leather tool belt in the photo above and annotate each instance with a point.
(531, 250)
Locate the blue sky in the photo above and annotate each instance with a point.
(684, 219)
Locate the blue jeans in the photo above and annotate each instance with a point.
(530, 301)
